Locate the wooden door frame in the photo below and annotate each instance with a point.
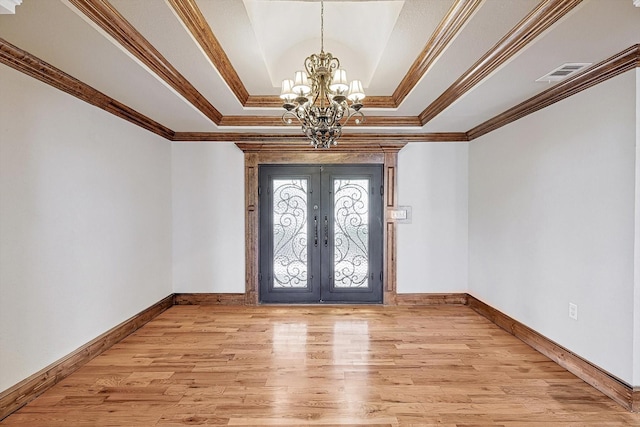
(260, 153)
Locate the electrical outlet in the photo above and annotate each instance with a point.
(573, 311)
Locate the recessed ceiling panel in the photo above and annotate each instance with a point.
(166, 32)
(289, 31)
(582, 36)
(416, 23)
(55, 33)
(230, 24)
(490, 23)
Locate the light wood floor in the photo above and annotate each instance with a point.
(445, 366)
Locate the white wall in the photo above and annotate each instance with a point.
(208, 218)
(208, 231)
(551, 221)
(636, 310)
(85, 219)
(433, 248)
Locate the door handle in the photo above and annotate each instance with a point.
(326, 231)
(315, 226)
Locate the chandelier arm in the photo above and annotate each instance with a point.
(309, 65)
(288, 116)
(359, 114)
(332, 64)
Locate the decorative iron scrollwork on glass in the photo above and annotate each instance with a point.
(290, 233)
(351, 233)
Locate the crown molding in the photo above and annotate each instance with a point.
(105, 16)
(536, 22)
(23, 61)
(269, 101)
(369, 121)
(301, 140)
(26, 63)
(359, 148)
(609, 68)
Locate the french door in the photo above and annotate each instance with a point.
(320, 233)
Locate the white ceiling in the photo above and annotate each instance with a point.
(267, 40)
(284, 48)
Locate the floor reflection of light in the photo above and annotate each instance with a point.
(351, 357)
(351, 342)
(290, 340)
(289, 349)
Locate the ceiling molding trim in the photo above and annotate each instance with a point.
(26, 63)
(195, 22)
(191, 16)
(369, 121)
(353, 147)
(535, 23)
(268, 101)
(103, 14)
(379, 102)
(263, 101)
(609, 68)
(302, 141)
(455, 19)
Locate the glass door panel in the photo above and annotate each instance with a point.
(351, 233)
(320, 233)
(289, 250)
(290, 233)
(352, 263)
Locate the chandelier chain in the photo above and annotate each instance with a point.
(321, 26)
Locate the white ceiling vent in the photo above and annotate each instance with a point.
(564, 71)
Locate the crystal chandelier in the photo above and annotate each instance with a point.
(320, 97)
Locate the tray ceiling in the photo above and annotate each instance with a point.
(210, 69)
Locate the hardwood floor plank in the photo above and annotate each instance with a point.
(321, 365)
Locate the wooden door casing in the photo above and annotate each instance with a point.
(259, 153)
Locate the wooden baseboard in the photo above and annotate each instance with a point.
(431, 299)
(25, 391)
(401, 299)
(598, 378)
(209, 299)
(30, 388)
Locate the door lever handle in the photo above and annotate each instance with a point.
(315, 226)
(326, 231)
